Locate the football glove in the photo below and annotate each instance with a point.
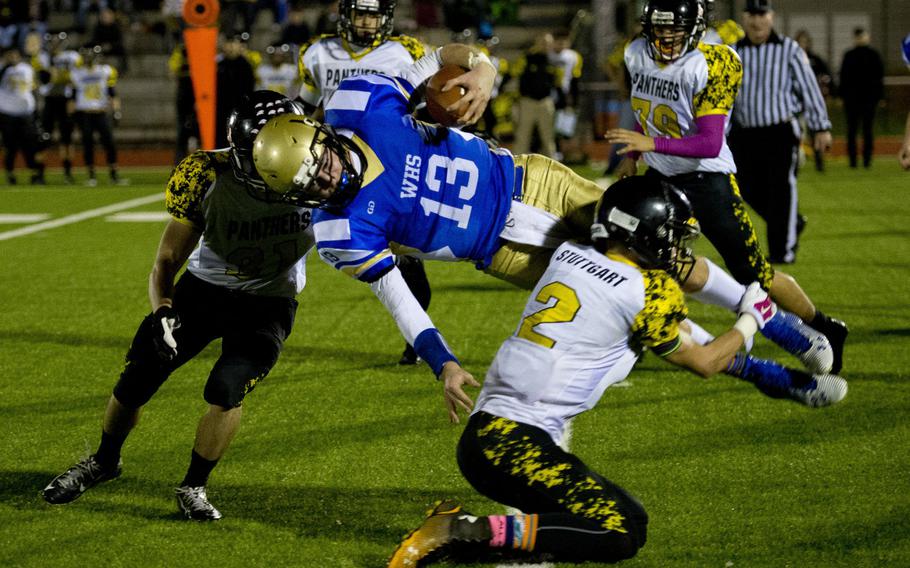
(165, 321)
(757, 304)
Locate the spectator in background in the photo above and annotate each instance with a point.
(903, 156)
(109, 35)
(237, 16)
(94, 99)
(296, 31)
(861, 87)
(616, 70)
(462, 15)
(822, 76)
(777, 87)
(536, 110)
(277, 73)
(84, 8)
(17, 115)
(328, 19)
(236, 79)
(568, 64)
(187, 124)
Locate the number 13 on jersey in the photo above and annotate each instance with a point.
(450, 170)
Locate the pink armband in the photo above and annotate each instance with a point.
(705, 143)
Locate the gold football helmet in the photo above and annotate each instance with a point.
(290, 150)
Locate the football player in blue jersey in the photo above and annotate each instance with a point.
(387, 184)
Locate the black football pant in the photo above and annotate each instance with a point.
(54, 115)
(582, 516)
(252, 329)
(767, 161)
(20, 133)
(725, 222)
(89, 123)
(860, 112)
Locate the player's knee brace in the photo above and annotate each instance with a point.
(229, 382)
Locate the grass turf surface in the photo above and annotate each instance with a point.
(341, 450)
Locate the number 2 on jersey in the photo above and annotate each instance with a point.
(665, 120)
(564, 310)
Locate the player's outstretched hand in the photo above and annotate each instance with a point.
(454, 378)
(165, 321)
(757, 304)
(634, 141)
(478, 86)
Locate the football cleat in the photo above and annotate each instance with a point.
(409, 356)
(194, 503)
(75, 481)
(817, 390)
(445, 524)
(836, 331)
(795, 337)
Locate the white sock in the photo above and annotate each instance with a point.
(699, 334)
(720, 289)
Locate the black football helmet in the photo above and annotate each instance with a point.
(672, 27)
(90, 54)
(244, 124)
(651, 218)
(383, 9)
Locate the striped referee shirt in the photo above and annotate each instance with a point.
(778, 85)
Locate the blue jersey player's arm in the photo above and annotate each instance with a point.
(389, 95)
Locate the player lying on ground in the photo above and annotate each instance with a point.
(587, 320)
(388, 184)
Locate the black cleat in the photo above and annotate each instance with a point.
(836, 331)
(194, 504)
(75, 481)
(409, 356)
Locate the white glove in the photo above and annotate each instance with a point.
(756, 303)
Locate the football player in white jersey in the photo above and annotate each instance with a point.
(93, 98)
(682, 95)
(363, 44)
(277, 73)
(246, 258)
(586, 323)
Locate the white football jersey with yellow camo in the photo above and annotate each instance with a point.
(91, 84)
(247, 244)
(666, 100)
(279, 78)
(581, 331)
(329, 59)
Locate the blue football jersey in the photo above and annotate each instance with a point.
(427, 191)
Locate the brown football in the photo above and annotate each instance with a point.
(438, 100)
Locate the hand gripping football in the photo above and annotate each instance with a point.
(438, 100)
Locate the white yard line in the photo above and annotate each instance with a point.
(139, 217)
(75, 218)
(15, 218)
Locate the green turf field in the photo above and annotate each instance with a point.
(341, 450)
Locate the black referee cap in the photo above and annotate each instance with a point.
(758, 6)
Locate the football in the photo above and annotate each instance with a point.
(438, 100)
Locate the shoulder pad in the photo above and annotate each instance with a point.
(411, 44)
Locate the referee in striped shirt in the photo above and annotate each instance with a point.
(778, 85)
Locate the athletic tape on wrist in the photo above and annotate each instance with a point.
(432, 348)
(747, 326)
